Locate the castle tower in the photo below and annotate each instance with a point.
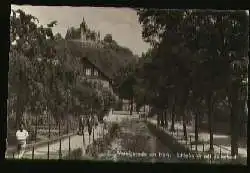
(83, 28)
(98, 36)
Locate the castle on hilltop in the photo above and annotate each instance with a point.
(89, 38)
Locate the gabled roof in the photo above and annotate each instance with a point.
(106, 60)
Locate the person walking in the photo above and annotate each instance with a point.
(21, 136)
(89, 124)
(81, 126)
(6, 146)
(158, 119)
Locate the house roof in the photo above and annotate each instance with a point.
(106, 60)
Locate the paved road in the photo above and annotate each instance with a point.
(137, 143)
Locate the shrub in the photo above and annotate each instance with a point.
(92, 150)
(118, 105)
(75, 154)
(113, 130)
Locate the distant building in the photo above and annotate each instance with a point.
(126, 105)
(99, 64)
(93, 73)
(89, 39)
(145, 108)
(92, 69)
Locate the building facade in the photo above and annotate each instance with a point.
(126, 105)
(94, 74)
(91, 71)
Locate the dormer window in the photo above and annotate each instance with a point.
(88, 72)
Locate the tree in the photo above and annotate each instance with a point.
(73, 33)
(206, 40)
(167, 39)
(58, 36)
(28, 45)
(228, 31)
(45, 74)
(108, 38)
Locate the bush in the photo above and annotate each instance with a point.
(99, 145)
(151, 113)
(75, 154)
(118, 105)
(91, 150)
(113, 130)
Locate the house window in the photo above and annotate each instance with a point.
(88, 72)
(95, 72)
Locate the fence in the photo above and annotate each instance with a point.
(200, 150)
(43, 130)
(52, 137)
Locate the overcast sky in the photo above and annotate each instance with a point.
(122, 23)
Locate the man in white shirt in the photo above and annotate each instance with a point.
(21, 136)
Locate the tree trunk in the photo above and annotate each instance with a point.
(162, 118)
(158, 119)
(19, 111)
(234, 124)
(131, 106)
(196, 120)
(172, 119)
(165, 119)
(184, 122)
(210, 121)
(234, 136)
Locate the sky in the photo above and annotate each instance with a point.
(122, 23)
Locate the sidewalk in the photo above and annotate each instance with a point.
(75, 142)
(220, 149)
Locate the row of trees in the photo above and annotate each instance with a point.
(198, 63)
(44, 75)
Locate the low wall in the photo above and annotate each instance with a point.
(166, 139)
